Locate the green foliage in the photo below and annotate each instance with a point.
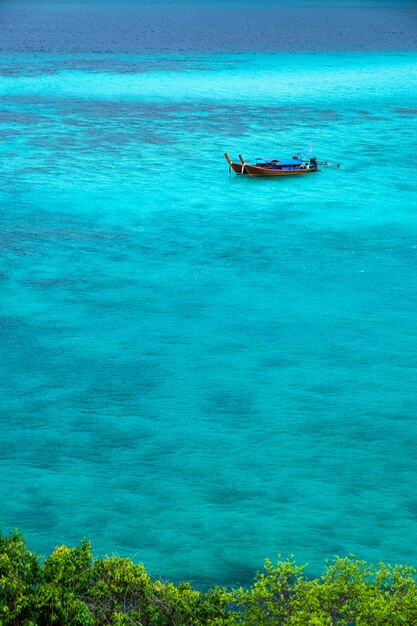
(121, 592)
(19, 573)
(65, 577)
(71, 588)
(269, 600)
(349, 593)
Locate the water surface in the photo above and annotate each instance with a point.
(200, 370)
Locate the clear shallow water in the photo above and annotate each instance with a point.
(200, 370)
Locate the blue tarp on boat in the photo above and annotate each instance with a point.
(290, 162)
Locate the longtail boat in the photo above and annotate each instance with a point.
(300, 163)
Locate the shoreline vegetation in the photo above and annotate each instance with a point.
(72, 588)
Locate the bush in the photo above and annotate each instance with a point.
(71, 588)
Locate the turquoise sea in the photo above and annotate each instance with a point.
(201, 370)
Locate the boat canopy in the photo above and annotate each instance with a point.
(290, 162)
(285, 162)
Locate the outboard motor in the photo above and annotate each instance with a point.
(313, 162)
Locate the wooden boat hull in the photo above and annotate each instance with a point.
(256, 171)
(237, 168)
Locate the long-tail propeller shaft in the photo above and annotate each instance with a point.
(328, 164)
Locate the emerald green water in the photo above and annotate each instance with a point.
(201, 370)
